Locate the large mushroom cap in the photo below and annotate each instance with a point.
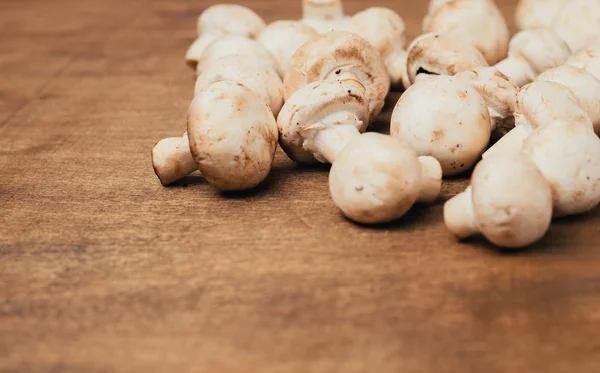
(446, 118)
(340, 55)
(543, 49)
(315, 107)
(232, 135)
(583, 85)
(230, 19)
(532, 14)
(567, 152)
(578, 23)
(477, 22)
(435, 54)
(248, 71)
(375, 179)
(283, 38)
(233, 44)
(587, 59)
(512, 201)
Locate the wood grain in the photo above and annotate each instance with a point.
(104, 270)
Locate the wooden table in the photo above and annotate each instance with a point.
(104, 270)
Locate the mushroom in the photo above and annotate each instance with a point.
(221, 20)
(537, 106)
(248, 71)
(339, 55)
(446, 118)
(587, 59)
(384, 29)
(233, 44)
(232, 139)
(378, 178)
(283, 38)
(532, 52)
(578, 23)
(325, 15)
(533, 14)
(584, 86)
(477, 22)
(498, 92)
(509, 202)
(433, 54)
(567, 152)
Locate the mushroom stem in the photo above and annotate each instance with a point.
(459, 215)
(511, 143)
(396, 66)
(326, 10)
(194, 52)
(172, 159)
(516, 69)
(431, 179)
(331, 141)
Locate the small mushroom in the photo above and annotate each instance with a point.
(498, 92)
(537, 106)
(584, 86)
(319, 120)
(233, 44)
(339, 55)
(433, 54)
(446, 118)
(533, 14)
(578, 23)
(221, 20)
(477, 22)
(509, 202)
(283, 38)
(567, 152)
(248, 71)
(378, 178)
(384, 29)
(232, 139)
(532, 52)
(325, 15)
(587, 59)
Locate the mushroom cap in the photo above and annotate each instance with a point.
(543, 102)
(543, 49)
(479, 23)
(496, 89)
(583, 85)
(587, 59)
(283, 38)
(234, 44)
(248, 71)
(315, 107)
(338, 55)
(440, 55)
(375, 179)
(230, 19)
(232, 135)
(382, 27)
(578, 23)
(456, 132)
(567, 152)
(532, 14)
(512, 201)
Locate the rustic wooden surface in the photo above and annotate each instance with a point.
(104, 270)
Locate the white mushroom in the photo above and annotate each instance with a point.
(384, 29)
(538, 104)
(532, 52)
(232, 140)
(325, 15)
(433, 54)
(233, 44)
(446, 118)
(533, 14)
(248, 71)
(587, 59)
(283, 38)
(477, 22)
(378, 178)
(221, 20)
(509, 202)
(567, 152)
(578, 23)
(340, 55)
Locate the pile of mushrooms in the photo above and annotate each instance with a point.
(522, 113)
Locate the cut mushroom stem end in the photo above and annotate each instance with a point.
(172, 159)
(326, 10)
(431, 181)
(459, 215)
